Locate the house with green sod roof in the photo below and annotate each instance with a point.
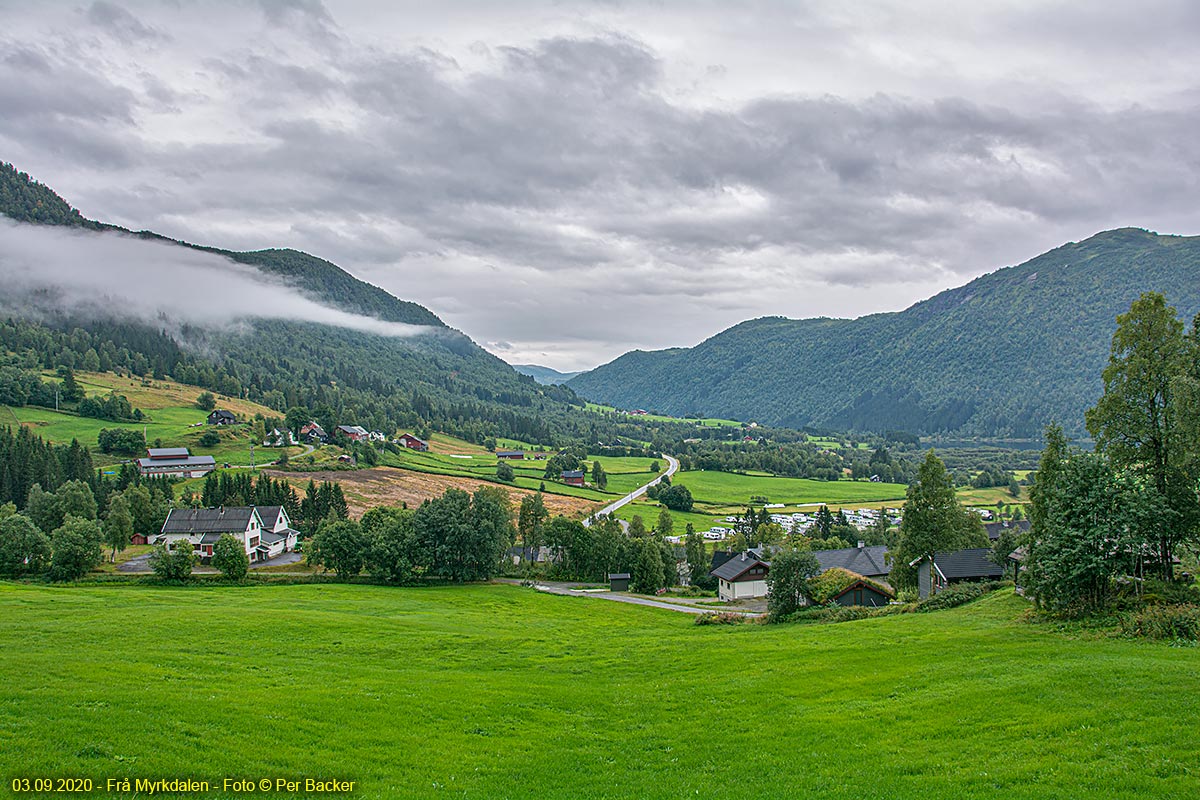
(846, 588)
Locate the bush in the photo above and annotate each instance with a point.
(229, 556)
(721, 618)
(173, 563)
(210, 439)
(958, 594)
(1169, 593)
(123, 441)
(1162, 621)
(504, 472)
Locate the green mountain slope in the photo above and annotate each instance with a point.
(443, 379)
(545, 375)
(1001, 356)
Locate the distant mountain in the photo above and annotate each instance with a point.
(442, 378)
(545, 375)
(999, 357)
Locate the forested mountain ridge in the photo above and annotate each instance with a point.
(545, 375)
(442, 380)
(26, 200)
(1001, 356)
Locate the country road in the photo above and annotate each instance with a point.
(672, 468)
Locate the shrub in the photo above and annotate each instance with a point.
(173, 563)
(957, 595)
(721, 618)
(1163, 621)
(210, 439)
(76, 549)
(230, 557)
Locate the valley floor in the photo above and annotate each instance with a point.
(501, 691)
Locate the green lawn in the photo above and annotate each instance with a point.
(498, 691)
(727, 489)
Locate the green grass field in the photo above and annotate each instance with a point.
(498, 691)
(727, 489)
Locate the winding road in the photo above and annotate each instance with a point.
(672, 468)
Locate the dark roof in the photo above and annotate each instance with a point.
(719, 557)
(208, 520)
(269, 515)
(994, 529)
(574, 473)
(414, 438)
(733, 569)
(168, 452)
(186, 461)
(874, 586)
(210, 538)
(271, 537)
(510, 452)
(618, 576)
(221, 413)
(970, 563)
(868, 561)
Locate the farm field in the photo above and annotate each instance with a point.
(708, 422)
(498, 691)
(719, 490)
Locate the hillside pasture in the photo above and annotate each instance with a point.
(500, 691)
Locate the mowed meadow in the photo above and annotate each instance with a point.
(499, 691)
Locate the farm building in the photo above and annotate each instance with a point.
(175, 462)
(742, 577)
(413, 443)
(512, 455)
(958, 566)
(204, 526)
(572, 477)
(618, 581)
(355, 433)
(222, 417)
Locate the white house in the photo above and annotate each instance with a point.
(278, 536)
(204, 526)
(742, 577)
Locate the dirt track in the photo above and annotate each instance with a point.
(365, 488)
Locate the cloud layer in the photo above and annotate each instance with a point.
(565, 182)
(116, 275)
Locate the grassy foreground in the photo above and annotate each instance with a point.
(497, 691)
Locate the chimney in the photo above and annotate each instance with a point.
(861, 544)
(743, 556)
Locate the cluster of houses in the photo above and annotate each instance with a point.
(742, 576)
(264, 531)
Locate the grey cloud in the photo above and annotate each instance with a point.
(569, 176)
(119, 23)
(111, 274)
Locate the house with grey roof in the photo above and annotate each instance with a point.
(742, 577)
(870, 562)
(204, 526)
(943, 569)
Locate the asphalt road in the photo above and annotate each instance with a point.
(672, 468)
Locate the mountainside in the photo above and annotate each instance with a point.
(441, 377)
(544, 375)
(1000, 356)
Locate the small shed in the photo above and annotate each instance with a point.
(618, 581)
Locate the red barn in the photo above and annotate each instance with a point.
(413, 443)
(573, 477)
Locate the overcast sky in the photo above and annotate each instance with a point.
(568, 181)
